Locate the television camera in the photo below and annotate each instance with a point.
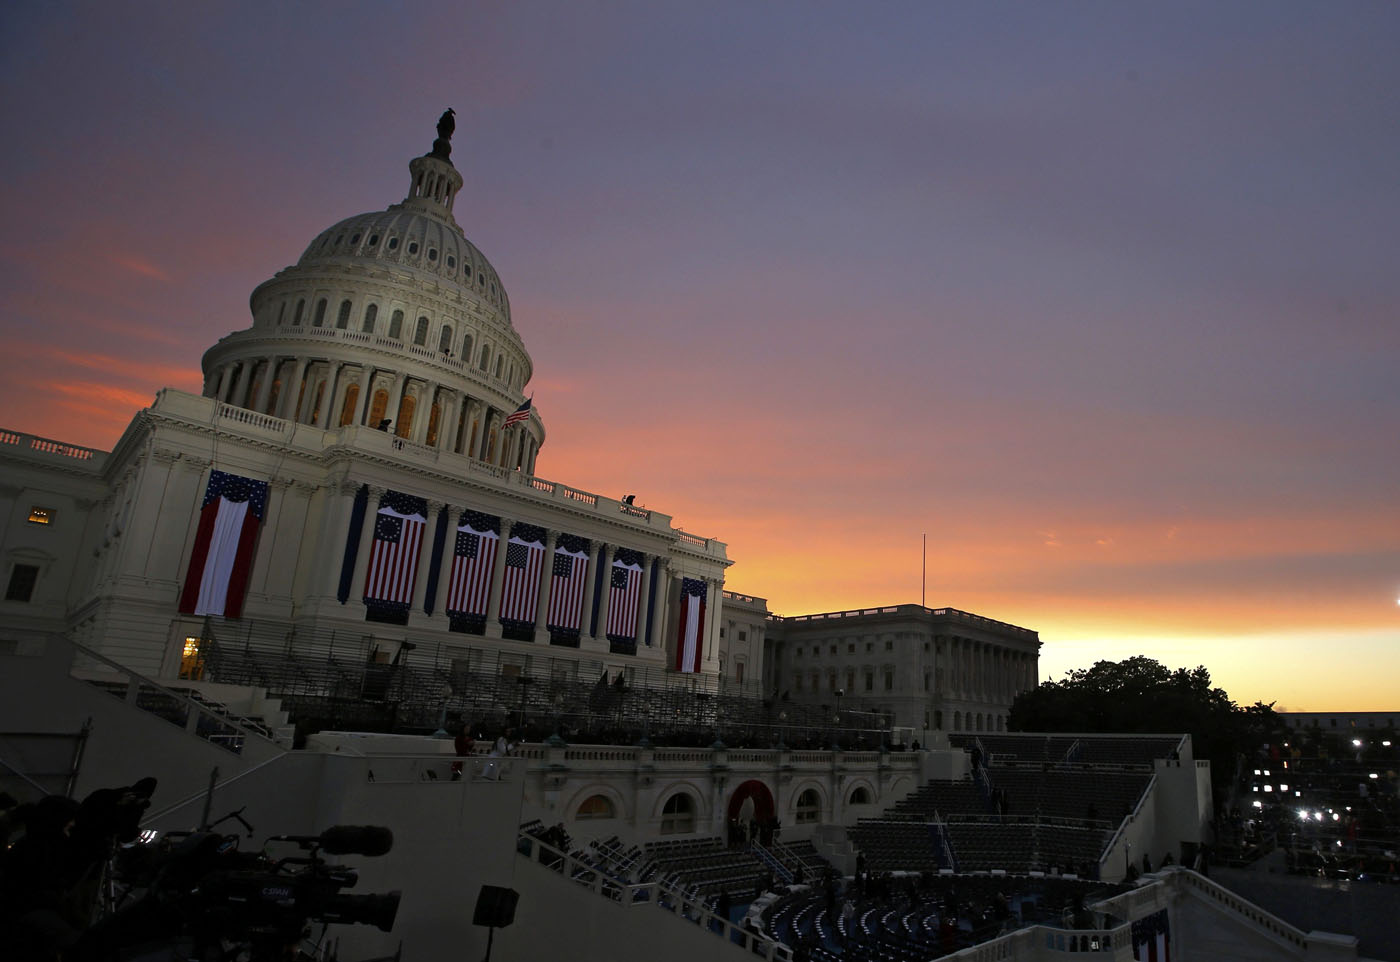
(193, 895)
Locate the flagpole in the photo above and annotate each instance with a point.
(923, 576)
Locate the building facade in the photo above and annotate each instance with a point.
(912, 666)
(360, 466)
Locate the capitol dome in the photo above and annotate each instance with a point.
(393, 320)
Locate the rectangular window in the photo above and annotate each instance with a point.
(889, 681)
(38, 515)
(926, 681)
(739, 671)
(797, 682)
(889, 646)
(870, 646)
(23, 578)
(743, 635)
(870, 682)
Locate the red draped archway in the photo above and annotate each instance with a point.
(763, 807)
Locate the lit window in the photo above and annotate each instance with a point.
(38, 515)
(191, 659)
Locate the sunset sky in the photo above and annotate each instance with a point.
(1103, 298)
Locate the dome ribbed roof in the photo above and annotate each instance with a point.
(413, 238)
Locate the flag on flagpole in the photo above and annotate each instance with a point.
(691, 636)
(222, 558)
(520, 588)
(569, 580)
(393, 559)
(473, 558)
(521, 413)
(624, 595)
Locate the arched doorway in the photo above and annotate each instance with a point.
(750, 812)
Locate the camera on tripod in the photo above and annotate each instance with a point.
(200, 889)
(84, 883)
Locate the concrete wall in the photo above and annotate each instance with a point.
(38, 695)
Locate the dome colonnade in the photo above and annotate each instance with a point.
(394, 320)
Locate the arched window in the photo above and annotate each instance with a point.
(467, 348)
(809, 807)
(485, 356)
(342, 319)
(320, 317)
(396, 325)
(831, 680)
(595, 806)
(678, 815)
(445, 339)
(860, 796)
(499, 360)
(404, 423)
(281, 313)
(347, 410)
(850, 679)
(378, 404)
(420, 333)
(957, 721)
(979, 721)
(301, 309)
(371, 313)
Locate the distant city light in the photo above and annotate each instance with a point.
(1257, 772)
(1302, 812)
(1386, 743)
(1373, 775)
(1268, 788)
(1258, 804)
(1336, 818)
(1356, 742)
(1283, 788)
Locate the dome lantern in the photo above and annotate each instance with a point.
(434, 182)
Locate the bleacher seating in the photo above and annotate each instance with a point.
(327, 681)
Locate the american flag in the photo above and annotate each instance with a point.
(624, 593)
(393, 559)
(473, 558)
(521, 413)
(566, 590)
(520, 589)
(222, 559)
(691, 636)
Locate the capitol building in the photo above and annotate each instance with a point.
(266, 595)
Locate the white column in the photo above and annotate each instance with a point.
(240, 390)
(498, 572)
(362, 399)
(546, 583)
(395, 399)
(423, 413)
(712, 620)
(425, 557)
(447, 426)
(222, 376)
(265, 387)
(287, 400)
(323, 415)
